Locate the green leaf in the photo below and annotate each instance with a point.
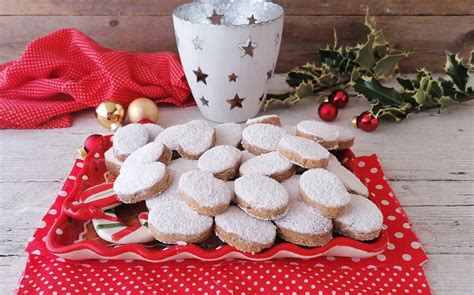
(365, 55)
(444, 102)
(370, 23)
(456, 71)
(422, 95)
(304, 89)
(377, 93)
(398, 114)
(386, 66)
(406, 83)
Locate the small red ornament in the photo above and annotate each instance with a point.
(92, 141)
(366, 122)
(327, 111)
(339, 98)
(146, 121)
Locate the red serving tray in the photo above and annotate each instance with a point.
(94, 172)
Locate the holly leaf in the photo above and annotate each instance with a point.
(406, 83)
(398, 114)
(365, 55)
(387, 65)
(444, 102)
(377, 93)
(304, 89)
(422, 95)
(371, 24)
(456, 71)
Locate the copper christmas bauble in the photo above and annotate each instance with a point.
(142, 108)
(110, 114)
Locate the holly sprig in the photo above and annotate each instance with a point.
(364, 67)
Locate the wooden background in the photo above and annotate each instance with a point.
(429, 27)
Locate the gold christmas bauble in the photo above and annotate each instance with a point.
(110, 113)
(142, 108)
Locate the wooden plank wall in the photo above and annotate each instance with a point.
(428, 27)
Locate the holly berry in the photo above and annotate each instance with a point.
(92, 141)
(327, 111)
(366, 122)
(339, 98)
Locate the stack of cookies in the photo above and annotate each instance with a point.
(245, 185)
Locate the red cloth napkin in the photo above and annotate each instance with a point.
(398, 270)
(66, 71)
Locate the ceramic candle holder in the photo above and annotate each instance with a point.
(229, 51)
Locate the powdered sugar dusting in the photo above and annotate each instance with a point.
(137, 178)
(264, 136)
(176, 168)
(111, 158)
(322, 131)
(351, 182)
(324, 188)
(219, 159)
(251, 229)
(173, 216)
(262, 119)
(361, 215)
(153, 130)
(246, 156)
(204, 188)
(265, 164)
(169, 136)
(344, 133)
(129, 138)
(148, 153)
(304, 219)
(292, 186)
(261, 192)
(196, 137)
(228, 134)
(306, 148)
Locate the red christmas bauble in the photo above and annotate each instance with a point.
(327, 111)
(146, 121)
(367, 122)
(92, 141)
(339, 98)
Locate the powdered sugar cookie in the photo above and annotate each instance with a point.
(196, 137)
(302, 225)
(171, 221)
(267, 119)
(223, 161)
(153, 130)
(362, 220)
(228, 134)
(322, 190)
(204, 193)
(303, 152)
(112, 164)
(346, 138)
(243, 231)
(246, 156)
(292, 186)
(176, 168)
(350, 181)
(149, 153)
(261, 196)
(322, 133)
(169, 136)
(269, 164)
(128, 139)
(261, 138)
(140, 182)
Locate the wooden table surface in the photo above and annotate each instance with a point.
(428, 160)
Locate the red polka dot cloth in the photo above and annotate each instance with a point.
(66, 71)
(398, 270)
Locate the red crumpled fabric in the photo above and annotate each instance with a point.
(66, 71)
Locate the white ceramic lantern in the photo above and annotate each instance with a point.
(229, 50)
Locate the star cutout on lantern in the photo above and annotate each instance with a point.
(198, 43)
(248, 47)
(252, 20)
(269, 75)
(204, 101)
(216, 19)
(236, 102)
(200, 76)
(233, 77)
(277, 39)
